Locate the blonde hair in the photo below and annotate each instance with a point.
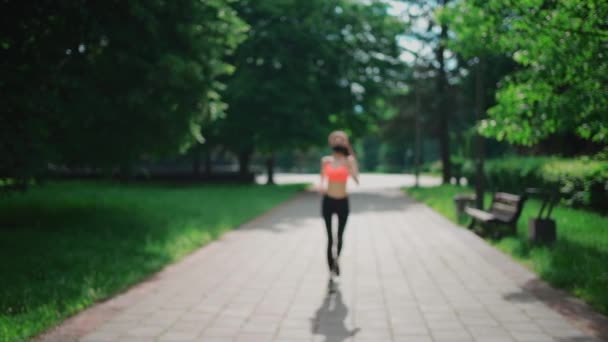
(337, 134)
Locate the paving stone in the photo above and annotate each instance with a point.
(413, 338)
(132, 339)
(451, 335)
(145, 331)
(531, 337)
(206, 338)
(100, 336)
(177, 336)
(253, 337)
(114, 327)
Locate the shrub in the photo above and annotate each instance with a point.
(434, 167)
(583, 182)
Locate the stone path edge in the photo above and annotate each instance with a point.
(83, 322)
(576, 311)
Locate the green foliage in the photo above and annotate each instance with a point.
(104, 84)
(305, 68)
(582, 182)
(370, 156)
(576, 262)
(393, 158)
(438, 198)
(433, 167)
(65, 246)
(602, 155)
(560, 47)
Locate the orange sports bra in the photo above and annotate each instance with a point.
(335, 174)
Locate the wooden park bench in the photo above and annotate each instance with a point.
(505, 209)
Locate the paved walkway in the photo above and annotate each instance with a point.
(371, 181)
(408, 275)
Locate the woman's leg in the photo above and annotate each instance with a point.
(342, 212)
(342, 218)
(327, 213)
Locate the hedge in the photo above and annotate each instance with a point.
(583, 182)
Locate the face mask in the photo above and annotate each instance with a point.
(341, 149)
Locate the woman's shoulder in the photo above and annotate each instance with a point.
(327, 159)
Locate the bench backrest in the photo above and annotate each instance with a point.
(506, 206)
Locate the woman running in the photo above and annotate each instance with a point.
(336, 169)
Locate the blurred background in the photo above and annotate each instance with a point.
(221, 90)
(107, 105)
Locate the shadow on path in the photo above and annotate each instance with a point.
(307, 207)
(536, 290)
(329, 319)
(576, 339)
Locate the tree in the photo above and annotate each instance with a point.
(104, 84)
(443, 104)
(480, 83)
(560, 48)
(307, 66)
(432, 35)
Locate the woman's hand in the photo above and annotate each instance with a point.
(321, 190)
(350, 149)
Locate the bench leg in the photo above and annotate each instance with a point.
(496, 231)
(472, 223)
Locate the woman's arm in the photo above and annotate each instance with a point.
(322, 174)
(353, 168)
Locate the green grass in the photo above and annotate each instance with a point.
(576, 262)
(65, 246)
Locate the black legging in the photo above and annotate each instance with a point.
(338, 206)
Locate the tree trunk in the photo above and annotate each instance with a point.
(208, 169)
(244, 159)
(125, 172)
(196, 160)
(442, 89)
(418, 143)
(479, 140)
(270, 168)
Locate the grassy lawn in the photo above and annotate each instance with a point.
(65, 246)
(577, 261)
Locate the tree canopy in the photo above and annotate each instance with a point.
(560, 47)
(307, 67)
(104, 83)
